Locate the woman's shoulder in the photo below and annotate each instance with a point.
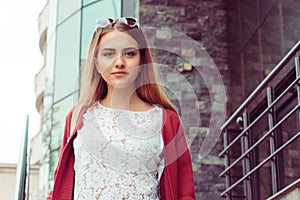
(170, 114)
(73, 118)
(69, 114)
(171, 120)
(172, 127)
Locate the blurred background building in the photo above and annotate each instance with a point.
(8, 180)
(246, 40)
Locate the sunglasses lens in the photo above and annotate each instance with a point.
(132, 22)
(111, 20)
(103, 22)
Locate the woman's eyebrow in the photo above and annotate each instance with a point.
(125, 49)
(130, 48)
(108, 49)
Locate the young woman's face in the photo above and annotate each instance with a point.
(118, 59)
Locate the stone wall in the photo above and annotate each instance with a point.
(205, 22)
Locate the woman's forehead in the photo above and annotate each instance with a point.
(117, 39)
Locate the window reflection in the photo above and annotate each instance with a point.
(90, 14)
(60, 111)
(53, 162)
(67, 57)
(66, 8)
(86, 2)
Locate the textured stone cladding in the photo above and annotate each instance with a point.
(205, 22)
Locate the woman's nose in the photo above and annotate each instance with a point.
(119, 62)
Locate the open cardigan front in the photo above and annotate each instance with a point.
(177, 178)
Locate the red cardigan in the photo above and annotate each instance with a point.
(177, 178)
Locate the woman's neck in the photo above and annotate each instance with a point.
(124, 99)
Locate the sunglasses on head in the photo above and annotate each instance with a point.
(104, 22)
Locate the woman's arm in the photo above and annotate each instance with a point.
(185, 171)
(177, 181)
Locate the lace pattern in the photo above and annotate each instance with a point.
(118, 154)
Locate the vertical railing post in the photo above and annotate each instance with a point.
(298, 84)
(246, 160)
(271, 122)
(227, 163)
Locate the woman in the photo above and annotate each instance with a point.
(124, 139)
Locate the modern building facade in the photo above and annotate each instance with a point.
(261, 138)
(244, 50)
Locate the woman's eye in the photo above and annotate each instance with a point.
(108, 54)
(130, 53)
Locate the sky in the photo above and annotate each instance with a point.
(20, 61)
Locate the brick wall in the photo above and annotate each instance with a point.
(205, 22)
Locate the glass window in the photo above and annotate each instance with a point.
(67, 57)
(67, 8)
(291, 23)
(131, 8)
(248, 24)
(106, 8)
(48, 97)
(265, 7)
(52, 6)
(53, 162)
(252, 65)
(50, 59)
(86, 2)
(288, 159)
(272, 39)
(60, 111)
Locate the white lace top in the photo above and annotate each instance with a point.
(118, 154)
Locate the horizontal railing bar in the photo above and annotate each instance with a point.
(288, 187)
(260, 140)
(259, 117)
(261, 164)
(260, 87)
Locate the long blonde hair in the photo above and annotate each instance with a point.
(94, 88)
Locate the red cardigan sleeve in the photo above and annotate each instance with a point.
(177, 181)
(185, 171)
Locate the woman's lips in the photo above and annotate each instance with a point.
(121, 73)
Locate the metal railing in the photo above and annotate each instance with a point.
(245, 135)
